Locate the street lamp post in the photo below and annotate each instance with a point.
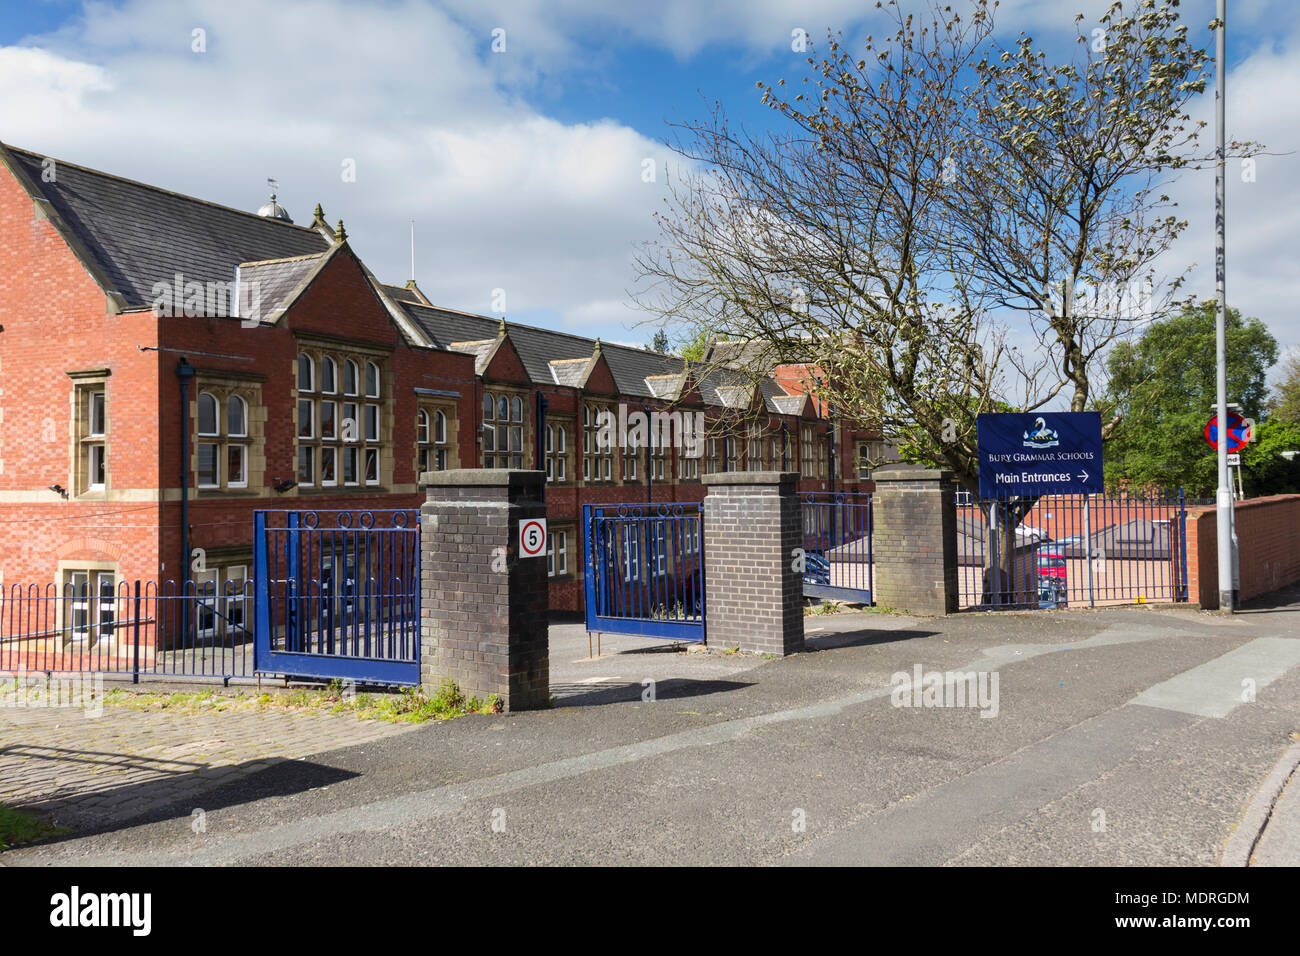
(1227, 539)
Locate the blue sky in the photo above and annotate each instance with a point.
(523, 168)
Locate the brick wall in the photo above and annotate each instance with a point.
(1268, 548)
(56, 320)
(753, 594)
(483, 605)
(914, 540)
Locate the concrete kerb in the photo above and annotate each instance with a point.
(1240, 845)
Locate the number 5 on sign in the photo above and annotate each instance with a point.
(532, 537)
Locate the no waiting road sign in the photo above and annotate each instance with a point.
(532, 537)
(1238, 432)
(1039, 453)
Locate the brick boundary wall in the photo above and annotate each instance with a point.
(753, 595)
(914, 540)
(1268, 548)
(483, 607)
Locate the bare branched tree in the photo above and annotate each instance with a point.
(939, 225)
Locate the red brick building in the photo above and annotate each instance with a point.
(309, 384)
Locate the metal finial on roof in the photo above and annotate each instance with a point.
(272, 209)
(341, 233)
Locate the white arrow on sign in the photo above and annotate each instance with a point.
(1083, 476)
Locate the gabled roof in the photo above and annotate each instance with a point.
(481, 350)
(140, 235)
(755, 355)
(788, 404)
(267, 288)
(541, 349)
(569, 371)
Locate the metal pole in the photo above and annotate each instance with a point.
(1087, 546)
(1223, 500)
(996, 567)
(185, 372)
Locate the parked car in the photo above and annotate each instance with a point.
(1053, 583)
(817, 570)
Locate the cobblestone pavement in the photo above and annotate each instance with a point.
(84, 770)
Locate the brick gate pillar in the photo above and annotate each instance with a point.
(483, 607)
(753, 596)
(914, 540)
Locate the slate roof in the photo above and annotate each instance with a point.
(264, 286)
(400, 293)
(538, 348)
(552, 357)
(569, 371)
(140, 234)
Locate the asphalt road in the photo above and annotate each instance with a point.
(1117, 736)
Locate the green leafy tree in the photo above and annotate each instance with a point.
(1166, 386)
(660, 342)
(1285, 403)
(696, 346)
(1266, 469)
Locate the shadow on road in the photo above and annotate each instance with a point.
(174, 795)
(674, 688)
(862, 638)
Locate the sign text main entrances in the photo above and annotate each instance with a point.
(1039, 453)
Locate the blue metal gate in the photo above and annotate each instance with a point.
(1059, 551)
(837, 546)
(338, 595)
(644, 569)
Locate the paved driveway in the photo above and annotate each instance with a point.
(1121, 736)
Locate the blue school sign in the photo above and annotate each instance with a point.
(1039, 453)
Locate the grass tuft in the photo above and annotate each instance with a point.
(18, 827)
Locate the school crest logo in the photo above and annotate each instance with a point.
(1040, 436)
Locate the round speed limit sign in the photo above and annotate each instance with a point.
(532, 537)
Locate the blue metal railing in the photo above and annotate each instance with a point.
(1072, 550)
(338, 594)
(644, 569)
(837, 553)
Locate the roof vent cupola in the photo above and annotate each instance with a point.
(272, 209)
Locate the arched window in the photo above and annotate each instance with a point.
(349, 377)
(207, 414)
(431, 440)
(503, 409)
(236, 417)
(516, 409)
(328, 380)
(372, 380)
(306, 373)
(221, 450)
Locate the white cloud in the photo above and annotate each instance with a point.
(502, 196)
(1263, 217)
